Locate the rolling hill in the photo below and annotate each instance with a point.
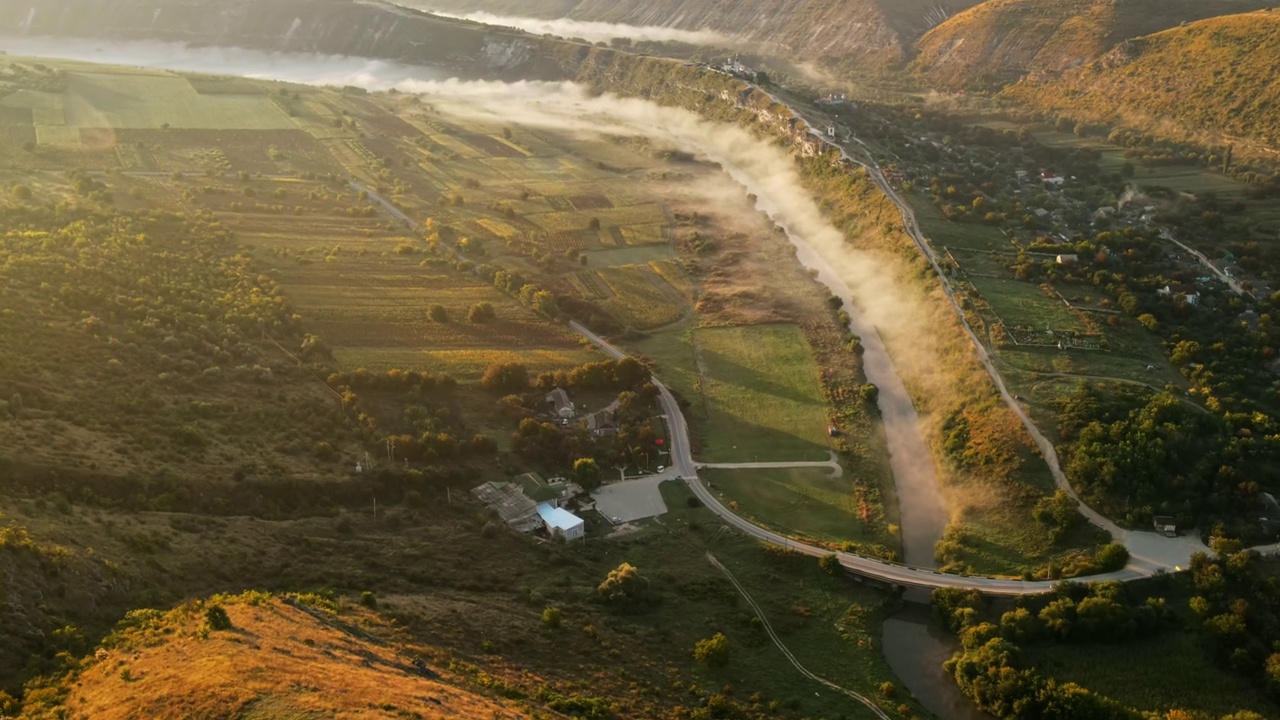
(1212, 81)
(292, 656)
(839, 35)
(1002, 41)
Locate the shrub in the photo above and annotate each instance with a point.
(713, 651)
(368, 599)
(551, 617)
(481, 312)
(217, 618)
(1112, 556)
(505, 378)
(625, 588)
(829, 563)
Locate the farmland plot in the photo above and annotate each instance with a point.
(640, 297)
(754, 391)
(138, 100)
(369, 301)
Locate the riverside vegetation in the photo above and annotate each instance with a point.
(212, 331)
(997, 534)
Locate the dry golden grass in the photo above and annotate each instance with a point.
(279, 660)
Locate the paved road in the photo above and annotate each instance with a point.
(1233, 283)
(684, 467)
(1154, 555)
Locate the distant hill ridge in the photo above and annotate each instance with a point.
(999, 42)
(861, 34)
(1214, 81)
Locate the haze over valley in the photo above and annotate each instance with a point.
(657, 359)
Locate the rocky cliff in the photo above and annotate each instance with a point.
(340, 27)
(845, 35)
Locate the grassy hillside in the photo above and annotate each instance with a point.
(1212, 81)
(1001, 41)
(286, 656)
(478, 624)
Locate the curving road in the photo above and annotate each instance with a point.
(1149, 553)
(684, 468)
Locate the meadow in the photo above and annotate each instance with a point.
(754, 391)
(809, 503)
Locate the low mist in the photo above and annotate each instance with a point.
(758, 167)
(874, 300)
(589, 31)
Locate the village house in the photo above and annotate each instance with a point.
(1174, 290)
(562, 406)
(1051, 178)
(557, 490)
(602, 422)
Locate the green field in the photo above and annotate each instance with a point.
(754, 392)
(1022, 303)
(945, 233)
(367, 298)
(803, 502)
(134, 99)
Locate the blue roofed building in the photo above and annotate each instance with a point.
(561, 522)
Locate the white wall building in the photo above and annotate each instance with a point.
(562, 522)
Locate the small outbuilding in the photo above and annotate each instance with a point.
(1067, 259)
(1165, 525)
(561, 522)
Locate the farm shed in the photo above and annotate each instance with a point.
(509, 501)
(561, 522)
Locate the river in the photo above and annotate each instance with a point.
(913, 649)
(923, 512)
(916, 647)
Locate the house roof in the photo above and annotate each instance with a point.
(559, 518)
(1181, 289)
(600, 419)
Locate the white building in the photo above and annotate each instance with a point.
(561, 522)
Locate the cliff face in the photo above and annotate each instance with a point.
(1001, 41)
(338, 27)
(852, 34)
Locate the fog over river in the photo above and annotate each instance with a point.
(751, 165)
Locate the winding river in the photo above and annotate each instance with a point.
(912, 647)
